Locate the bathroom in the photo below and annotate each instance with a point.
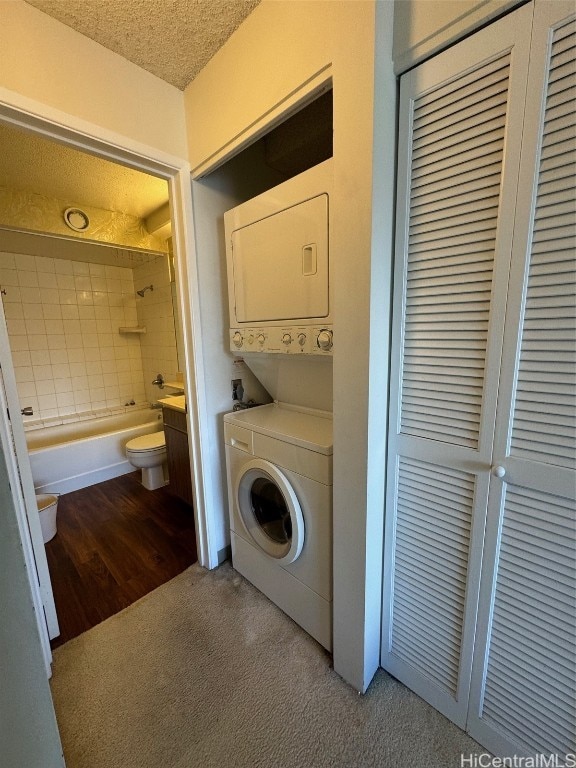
(90, 326)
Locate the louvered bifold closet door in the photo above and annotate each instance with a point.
(459, 114)
(523, 697)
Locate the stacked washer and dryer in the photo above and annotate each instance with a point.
(279, 456)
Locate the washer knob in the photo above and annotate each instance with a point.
(250, 339)
(237, 339)
(261, 339)
(301, 339)
(324, 339)
(286, 339)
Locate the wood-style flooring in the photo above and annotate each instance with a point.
(116, 542)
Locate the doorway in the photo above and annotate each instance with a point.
(176, 174)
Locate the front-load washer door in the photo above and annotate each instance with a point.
(270, 511)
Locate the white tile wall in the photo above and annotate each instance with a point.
(63, 319)
(156, 313)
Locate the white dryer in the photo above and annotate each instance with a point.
(279, 467)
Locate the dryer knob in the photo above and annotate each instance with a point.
(301, 339)
(286, 339)
(261, 338)
(237, 339)
(324, 340)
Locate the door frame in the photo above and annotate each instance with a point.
(42, 120)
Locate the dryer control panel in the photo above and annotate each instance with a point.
(284, 340)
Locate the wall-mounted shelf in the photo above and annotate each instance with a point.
(132, 329)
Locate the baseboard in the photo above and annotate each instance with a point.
(224, 554)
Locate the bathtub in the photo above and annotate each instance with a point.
(70, 456)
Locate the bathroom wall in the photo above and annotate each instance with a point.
(63, 319)
(20, 209)
(155, 312)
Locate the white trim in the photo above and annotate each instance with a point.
(484, 12)
(187, 288)
(87, 137)
(289, 105)
(67, 129)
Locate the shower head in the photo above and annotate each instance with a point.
(143, 291)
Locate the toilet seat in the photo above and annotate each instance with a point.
(151, 443)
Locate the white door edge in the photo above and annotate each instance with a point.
(30, 535)
(22, 484)
(188, 291)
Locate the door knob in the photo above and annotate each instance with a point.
(28, 411)
(498, 471)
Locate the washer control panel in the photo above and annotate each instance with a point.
(288, 340)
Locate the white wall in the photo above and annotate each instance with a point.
(28, 731)
(280, 47)
(44, 60)
(422, 27)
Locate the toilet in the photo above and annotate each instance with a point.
(148, 453)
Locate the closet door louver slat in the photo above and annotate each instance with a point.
(484, 373)
(551, 290)
(523, 694)
(432, 616)
(548, 301)
(455, 204)
(546, 651)
(454, 288)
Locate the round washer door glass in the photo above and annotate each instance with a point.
(270, 511)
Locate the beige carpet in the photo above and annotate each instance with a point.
(205, 671)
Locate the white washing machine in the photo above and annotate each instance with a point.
(279, 467)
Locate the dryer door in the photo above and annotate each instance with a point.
(280, 265)
(270, 511)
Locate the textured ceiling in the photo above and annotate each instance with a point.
(173, 39)
(34, 164)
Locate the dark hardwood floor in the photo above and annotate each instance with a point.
(116, 542)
